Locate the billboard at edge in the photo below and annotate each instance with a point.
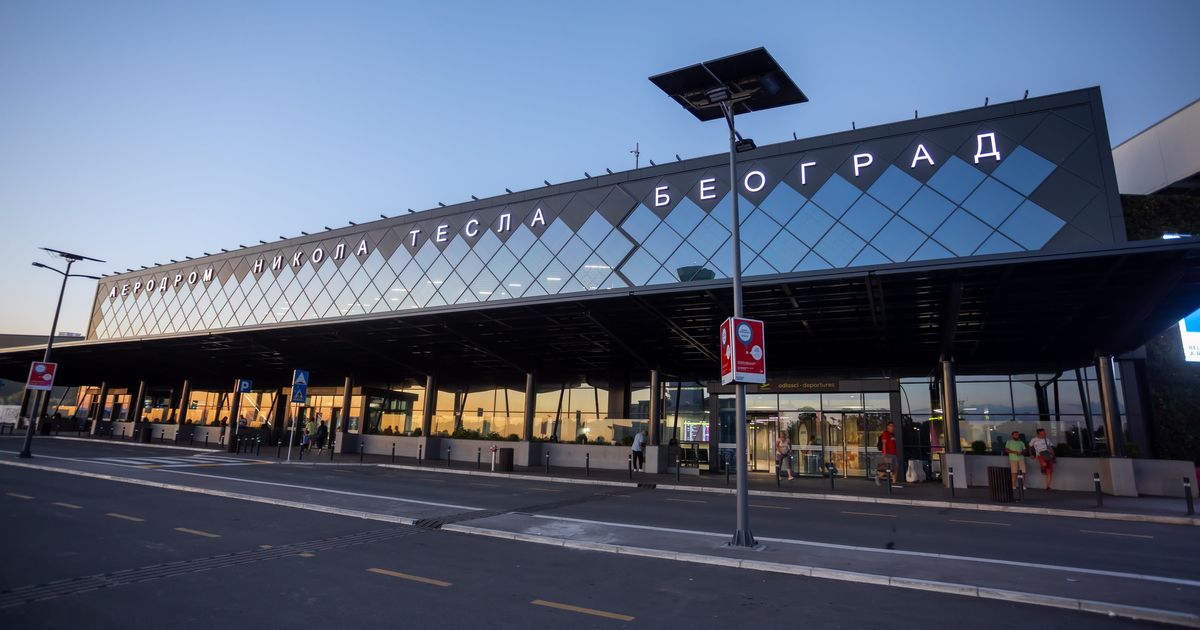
(1189, 331)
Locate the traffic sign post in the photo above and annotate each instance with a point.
(299, 396)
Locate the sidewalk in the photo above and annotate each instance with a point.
(928, 494)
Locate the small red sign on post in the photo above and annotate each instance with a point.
(743, 351)
(41, 376)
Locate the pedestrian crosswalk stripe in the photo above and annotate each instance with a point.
(174, 462)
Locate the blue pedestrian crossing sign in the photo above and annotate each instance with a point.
(300, 386)
(244, 385)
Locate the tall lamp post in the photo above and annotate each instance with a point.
(36, 407)
(721, 88)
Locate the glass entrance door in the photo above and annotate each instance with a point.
(761, 436)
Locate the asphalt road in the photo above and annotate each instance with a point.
(1165, 550)
(183, 560)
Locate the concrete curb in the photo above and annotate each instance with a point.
(967, 590)
(312, 507)
(141, 444)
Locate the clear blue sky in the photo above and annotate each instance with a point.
(136, 132)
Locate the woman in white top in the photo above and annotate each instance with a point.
(1044, 451)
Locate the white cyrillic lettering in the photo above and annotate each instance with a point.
(471, 228)
(208, 274)
(192, 277)
(413, 233)
(137, 286)
(921, 154)
(113, 292)
(537, 218)
(178, 279)
(762, 181)
(318, 255)
(440, 234)
(339, 252)
(162, 284)
(707, 188)
(297, 258)
(362, 248)
(661, 198)
(862, 160)
(804, 173)
(277, 262)
(979, 153)
(258, 265)
(505, 222)
(149, 285)
(125, 289)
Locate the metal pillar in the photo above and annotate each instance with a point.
(103, 396)
(184, 403)
(950, 406)
(139, 403)
(655, 408)
(235, 408)
(530, 406)
(1108, 405)
(431, 397)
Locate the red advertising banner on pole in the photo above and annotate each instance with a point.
(41, 376)
(743, 351)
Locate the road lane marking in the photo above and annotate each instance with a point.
(870, 514)
(306, 554)
(890, 552)
(18, 496)
(487, 485)
(125, 517)
(996, 523)
(266, 547)
(196, 532)
(543, 489)
(581, 609)
(769, 507)
(406, 576)
(68, 505)
(685, 500)
(1092, 531)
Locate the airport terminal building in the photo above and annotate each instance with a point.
(971, 266)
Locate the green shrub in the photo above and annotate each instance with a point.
(416, 432)
(627, 440)
(513, 437)
(600, 440)
(581, 438)
(979, 447)
(1062, 450)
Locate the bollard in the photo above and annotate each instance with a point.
(479, 458)
(447, 457)
(727, 469)
(362, 448)
(257, 446)
(122, 434)
(777, 481)
(161, 436)
(547, 462)
(1020, 492)
(494, 458)
(300, 454)
(888, 478)
(832, 474)
(332, 442)
(678, 465)
(631, 465)
(393, 452)
(1187, 492)
(191, 438)
(279, 449)
(1099, 493)
(951, 482)
(206, 439)
(587, 465)
(420, 452)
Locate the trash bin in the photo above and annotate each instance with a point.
(504, 459)
(1000, 484)
(146, 435)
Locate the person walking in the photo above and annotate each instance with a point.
(1044, 451)
(322, 435)
(1015, 449)
(221, 435)
(639, 451)
(783, 454)
(887, 446)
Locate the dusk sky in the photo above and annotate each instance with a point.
(137, 132)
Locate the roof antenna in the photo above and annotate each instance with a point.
(915, 116)
(794, 136)
(852, 125)
(1026, 95)
(609, 170)
(677, 158)
(652, 163)
(985, 101)
(637, 154)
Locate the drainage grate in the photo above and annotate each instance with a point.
(74, 586)
(436, 522)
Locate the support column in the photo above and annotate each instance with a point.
(530, 406)
(655, 407)
(347, 391)
(99, 408)
(950, 406)
(431, 399)
(136, 409)
(235, 408)
(185, 396)
(1108, 405)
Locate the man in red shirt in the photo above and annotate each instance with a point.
(887, 446)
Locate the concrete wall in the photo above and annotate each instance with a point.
(576, 455)
(1164, 477)
(1118, 476)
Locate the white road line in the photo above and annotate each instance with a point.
(897, 552)
(685, 500)
(870, 514)
(998, 524)
(1092, 531)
